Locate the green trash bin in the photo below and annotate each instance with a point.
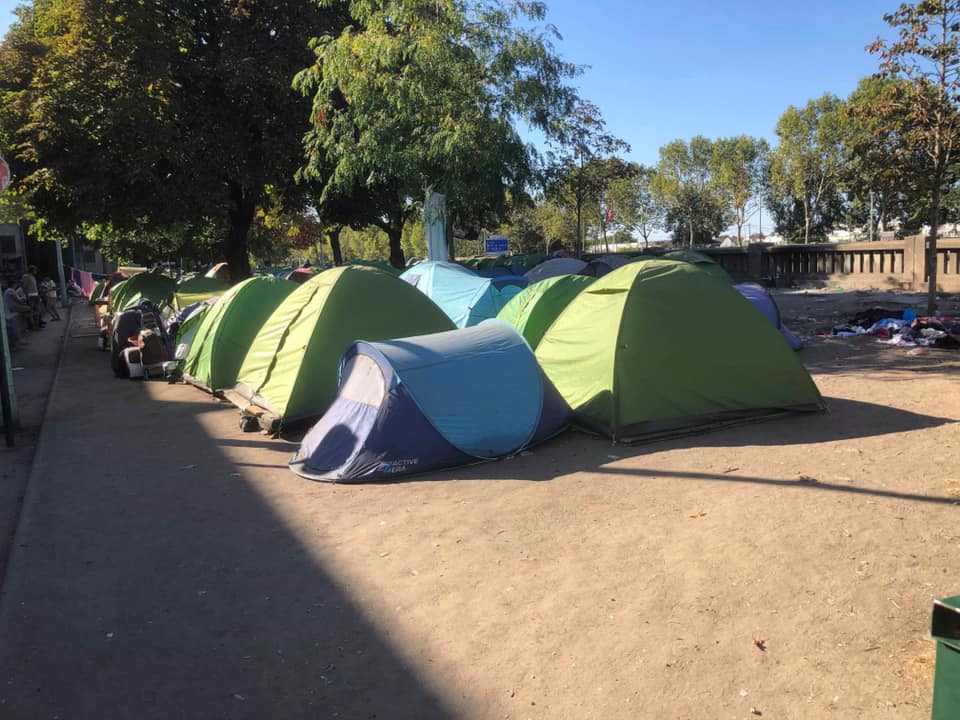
(945, 628)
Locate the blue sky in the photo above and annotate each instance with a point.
(662, 70)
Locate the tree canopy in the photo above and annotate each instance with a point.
(125, 114)
(926, 54)
(806, 166)
(416, 96)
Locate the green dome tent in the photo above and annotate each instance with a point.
(155, 287)
(290, 371)
(196, 290)
(228, 329)
(98, 289)
(378, 264)
(660, 347)
(706, 263)
(533, 311)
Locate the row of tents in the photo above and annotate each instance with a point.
(441, 367)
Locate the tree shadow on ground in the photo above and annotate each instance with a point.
(150, 581)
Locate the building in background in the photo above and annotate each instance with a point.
(13, 252)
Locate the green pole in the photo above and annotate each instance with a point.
(8, 394)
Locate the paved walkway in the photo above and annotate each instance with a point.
(35, 361)
(149, 579)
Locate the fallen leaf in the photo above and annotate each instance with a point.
(760, 643)
(698, 515)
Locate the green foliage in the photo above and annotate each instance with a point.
(806, 169)
(926, 54)
(117, 112)
(884, 174)
(371, 243)
(581, 172)
(538, 226)
(636, 206)
(415, 238)
(739, 169)
(696, 208)
(421, 95)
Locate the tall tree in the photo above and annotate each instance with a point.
(738, 169)
(696, 210)
(159, 112)
(879, 189)
(926, 54)
(585, 165)
(806, 165)
(636, 207)
(420, 95)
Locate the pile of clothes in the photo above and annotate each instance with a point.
(907, 330)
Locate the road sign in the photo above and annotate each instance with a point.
(496, 245)
(4, 174)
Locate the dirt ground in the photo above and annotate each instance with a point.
(778, 570)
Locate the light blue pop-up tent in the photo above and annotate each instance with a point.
(464, 296)
(429, 402)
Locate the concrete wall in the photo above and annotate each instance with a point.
(892, 264)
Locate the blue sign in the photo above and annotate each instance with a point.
(496, 245)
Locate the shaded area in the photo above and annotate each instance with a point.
(37, 357)
(150, 580)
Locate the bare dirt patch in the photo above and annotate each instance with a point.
(779, 570)
(784, 568)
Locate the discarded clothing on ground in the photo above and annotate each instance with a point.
(939, 332)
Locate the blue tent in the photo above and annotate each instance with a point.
(429, 402)
(466, 298)
(517, 281)
(495, 272)
(764, 302)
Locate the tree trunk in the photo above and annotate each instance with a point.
(691, 234)
(333, 237)
(240, 218)
(806, 222)
(318, 247)
(578, 244)
(395, 234)
(932, 252)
